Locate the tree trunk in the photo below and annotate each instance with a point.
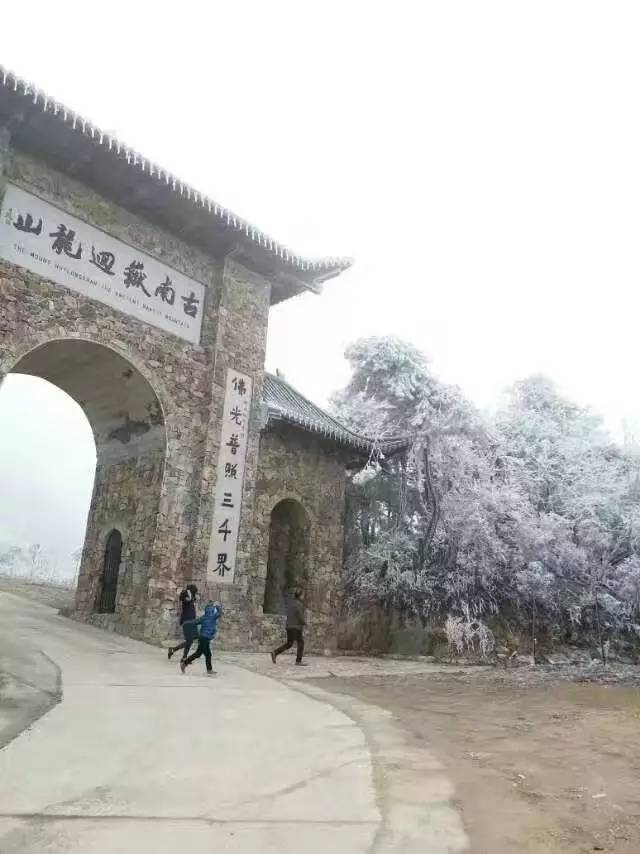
(430, 505)
(596, 610)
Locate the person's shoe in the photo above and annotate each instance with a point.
(211, 672)
(170, 653)
(183, 666)
(301, 664)
(274, 658)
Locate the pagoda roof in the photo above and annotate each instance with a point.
(46, 128)
(285, 404)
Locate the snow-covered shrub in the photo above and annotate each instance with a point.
(454, 629)
(469, 636)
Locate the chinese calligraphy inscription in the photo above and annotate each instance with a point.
(46, 240)
(230, 473)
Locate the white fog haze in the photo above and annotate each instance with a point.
(47, 466)
(478, 160)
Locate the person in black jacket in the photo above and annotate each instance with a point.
(295, 624)
(187, 615)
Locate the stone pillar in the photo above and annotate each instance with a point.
(173, 537)
(243, 316)
(126, 495)
(192, 410)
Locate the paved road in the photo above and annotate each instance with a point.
(29, 681)
(138, 758)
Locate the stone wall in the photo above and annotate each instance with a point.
(126, 496)
(166, 503)
(297, 465)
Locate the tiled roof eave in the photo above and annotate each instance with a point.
(318, 268)
(344, 438)
(277, 415)
(284, 404)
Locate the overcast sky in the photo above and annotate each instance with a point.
(480, 160)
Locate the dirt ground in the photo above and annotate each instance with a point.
(540, 763)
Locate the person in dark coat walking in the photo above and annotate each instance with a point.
(187, 614)
(295, 624)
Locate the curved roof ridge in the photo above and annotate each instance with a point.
(285, 402)
(48, 104)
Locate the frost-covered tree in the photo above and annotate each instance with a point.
(11, 559)
(425, 532)
(534, 513)
(584, 491)
(387, 383)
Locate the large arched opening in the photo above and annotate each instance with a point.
(288, 553)
(128, 427)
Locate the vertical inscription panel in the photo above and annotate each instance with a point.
(230, 476)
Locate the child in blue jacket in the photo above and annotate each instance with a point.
(208, 624)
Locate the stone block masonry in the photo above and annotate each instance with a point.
(299, 467)
(155, 401)
(159, 498)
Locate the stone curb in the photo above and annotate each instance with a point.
(414, 795)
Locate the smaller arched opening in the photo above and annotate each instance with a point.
(106, 603)
(288, 552)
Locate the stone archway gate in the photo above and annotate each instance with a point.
(148, 303)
